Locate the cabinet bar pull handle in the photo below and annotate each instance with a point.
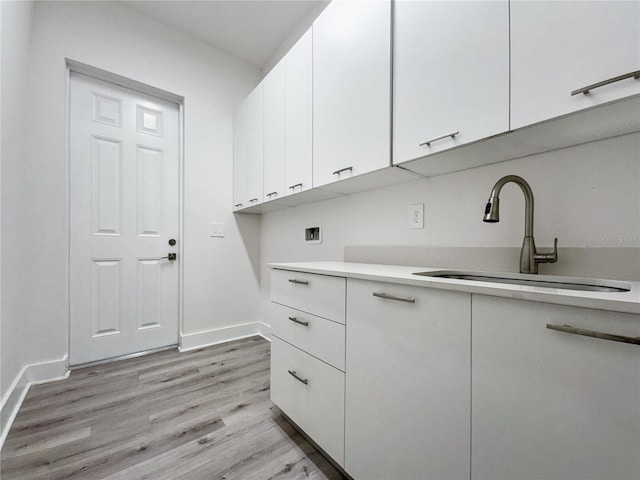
(253, 200)
(394, 297)
(301, 322)
(272, 193)
(429, 142)
(238, 205)
(292, 187)
(586, 89)
(299, 282)
(300, 379)
(337, 172)
(594, 334)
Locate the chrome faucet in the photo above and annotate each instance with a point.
(529, 257)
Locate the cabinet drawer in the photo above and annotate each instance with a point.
(321, 338)
(319, 295)
(317, 406)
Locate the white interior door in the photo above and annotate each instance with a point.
(124, 197)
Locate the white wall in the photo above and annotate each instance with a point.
(16, 31)
(587, 196)
(219, 274)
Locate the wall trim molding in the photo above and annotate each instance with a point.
(207, 338)
(32, 374)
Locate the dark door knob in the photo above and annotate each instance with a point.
(172, 242)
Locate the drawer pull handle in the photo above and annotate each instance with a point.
(293, 187)
(269, 195)
(338, 172)
(299, 282)
(300, 322)
(594, 334)
(253, 200)
(441, 137)
(394, 297)
(238, 205)
(300, 379)
(586, 89)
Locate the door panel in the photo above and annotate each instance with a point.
(149, 299)
(150, 191)
(106, 280)
(106, 192)
(124, 198)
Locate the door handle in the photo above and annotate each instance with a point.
(171, 257)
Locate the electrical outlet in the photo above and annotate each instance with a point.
(416, 215)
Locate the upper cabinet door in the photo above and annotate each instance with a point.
(274, 133)
(240, 157)
(255, 145)
(299, 116)
(351, 90)
(451, 75)
(560, 47)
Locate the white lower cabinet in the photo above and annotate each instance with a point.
(311, 393)
(307, 355)
(407, 408)
(420, 383)
(552, 404)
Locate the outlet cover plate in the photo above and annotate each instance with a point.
(416, 215)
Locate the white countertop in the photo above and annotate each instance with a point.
(628, 302)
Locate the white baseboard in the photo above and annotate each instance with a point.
(32, 374)
(208, 338)
(264, 331)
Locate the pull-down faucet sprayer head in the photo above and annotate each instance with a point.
(492, 210)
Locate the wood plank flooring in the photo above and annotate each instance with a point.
(204, 414)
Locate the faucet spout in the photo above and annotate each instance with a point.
(529, 257)
(492, 210)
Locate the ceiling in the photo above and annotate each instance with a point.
(251, 30)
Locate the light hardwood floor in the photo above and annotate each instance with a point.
(204, 414)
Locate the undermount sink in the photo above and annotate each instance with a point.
(544, 281)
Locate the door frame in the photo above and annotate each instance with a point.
(119, 80)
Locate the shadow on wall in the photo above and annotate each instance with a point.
(249, 229)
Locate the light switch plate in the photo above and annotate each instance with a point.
(217, 230)
(416, 215)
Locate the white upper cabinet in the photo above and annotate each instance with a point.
(255, 145)
(240, 157)
(299, 116)
(351, 90)
(560, 47)
(274, 132)
(288, 135)
(451, 75)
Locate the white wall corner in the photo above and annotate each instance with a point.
(33, 374)
(207, 338)
(264, 330)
